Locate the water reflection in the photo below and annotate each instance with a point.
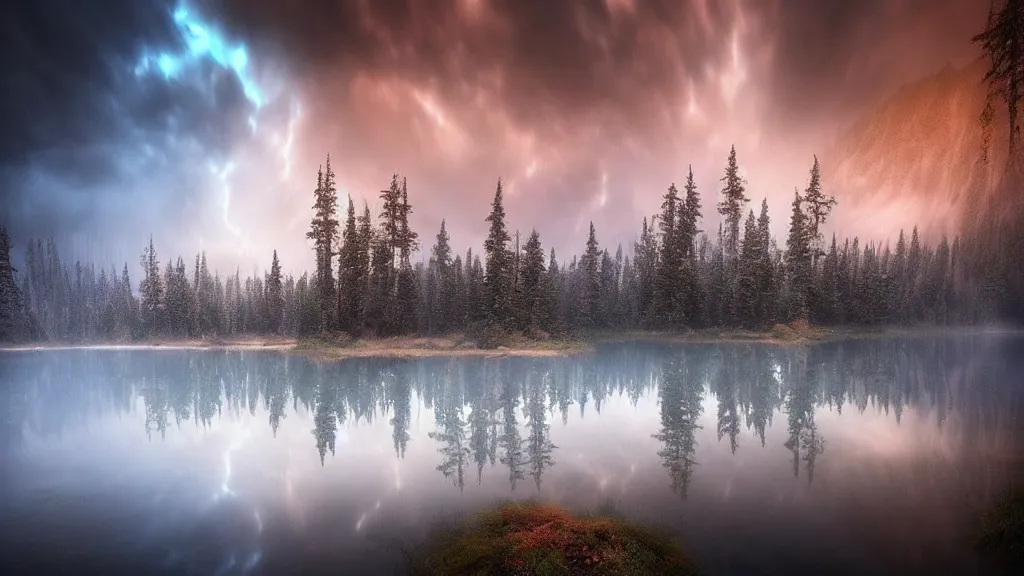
(966, 395)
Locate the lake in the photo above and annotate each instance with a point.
(869, 456)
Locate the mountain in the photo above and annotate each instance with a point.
(916, 159)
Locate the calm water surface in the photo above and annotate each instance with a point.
(862, 457)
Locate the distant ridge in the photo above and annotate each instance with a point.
(916, 158)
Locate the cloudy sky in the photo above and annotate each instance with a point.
(204, 122)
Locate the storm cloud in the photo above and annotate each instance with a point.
(587, 110)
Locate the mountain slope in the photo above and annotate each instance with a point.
(915, 159)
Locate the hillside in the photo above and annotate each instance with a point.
(915, 158)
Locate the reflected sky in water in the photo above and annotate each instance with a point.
(869, 456)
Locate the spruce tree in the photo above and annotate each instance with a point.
(407, 291)
(533, 287)
(691, 293)
(767, 303)
(667, 298)
(129, 307)
(819, 206)
(717, 307)
(798, 260)
(590, 297)
(497, 277)
(351, 275)
(551, 292)
(731, 206)
(828, 300)
(275, 297)
(458, 319)
(646, 264)
(14, 326)
(443, 305)
(323, 232)
(747, 289)
(151, 290)
(608, 290)
(362, 270)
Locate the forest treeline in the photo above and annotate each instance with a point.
(675, 276)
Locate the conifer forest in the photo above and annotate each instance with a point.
(675, 276)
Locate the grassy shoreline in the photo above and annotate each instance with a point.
(336, 348)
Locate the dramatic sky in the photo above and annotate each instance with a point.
(204, 122)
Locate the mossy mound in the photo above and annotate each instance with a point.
(529, 539)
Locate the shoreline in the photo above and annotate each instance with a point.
(458, 346)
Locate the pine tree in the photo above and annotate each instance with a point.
(382, 310)
(14, 325)
(323, 232)
(828, 300)
(747, 289)
(351, 275)
(533, 288)
(692, 295)
(151, 290)
(608, 290)
(590, 297)
(128, 309)
(275, 297)
(667, 298)
(407, 291)
(718, 307)
(798, 260)
(819, 206)
(767, 303)
(915, 264)
(497, 277)
(443, 305)
(552, 287)
(362, 270)
(731, 206)
(646, 264)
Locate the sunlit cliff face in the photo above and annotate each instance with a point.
(204, 122)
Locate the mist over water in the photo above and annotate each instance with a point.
(867, 456)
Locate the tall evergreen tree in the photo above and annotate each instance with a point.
(323, 232)
(443, 305)
(667, 298)
(275, 297)
(14, 325)
(748, 294)
(646, 264)
(498, 275)
(731, 206)
(351, 275)
(819, 206)
(532, 287)
(407, 291)
(551, 292)
(767, 302)
(590, 301)
(363, 261)
(798, 260)
(691, 292)
(151, 290)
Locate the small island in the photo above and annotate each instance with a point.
(519, 539)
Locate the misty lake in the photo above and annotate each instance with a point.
(867, 456)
